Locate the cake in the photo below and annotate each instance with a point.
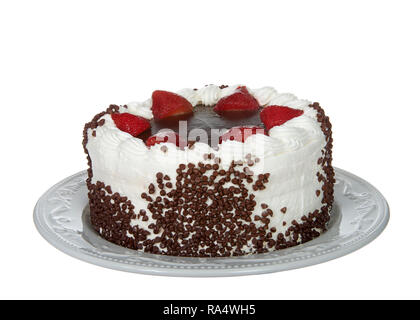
(213, 172)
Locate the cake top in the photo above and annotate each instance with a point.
(209, 115)
(178, 125)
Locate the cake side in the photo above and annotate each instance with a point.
(276, 192)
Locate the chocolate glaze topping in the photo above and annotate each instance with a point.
(206, 119)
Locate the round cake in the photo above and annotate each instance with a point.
(213, 172)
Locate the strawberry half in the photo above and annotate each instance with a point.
(163, 137)
(241, 133)
(167, 104)
(238, 101)
(273, 116)
(130, 123)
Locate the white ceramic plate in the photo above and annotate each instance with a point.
(360, 214)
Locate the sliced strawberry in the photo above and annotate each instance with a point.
(273, 116)
(241, 133)
(167, 104)
(167, 136)
(130, 123)
(238, 101)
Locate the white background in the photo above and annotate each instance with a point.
(64, 61)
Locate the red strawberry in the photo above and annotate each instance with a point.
(241, 133)
(167, 136)
(273, 116)
(130, 123)
(166, 104)
(238, 101)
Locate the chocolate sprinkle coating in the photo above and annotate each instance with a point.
(205, 216)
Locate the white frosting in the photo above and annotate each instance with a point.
(290, 154)
(264, 95)
(142, 109)
(208, 95)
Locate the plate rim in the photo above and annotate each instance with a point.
(62, 245)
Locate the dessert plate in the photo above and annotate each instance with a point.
(360, 214)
